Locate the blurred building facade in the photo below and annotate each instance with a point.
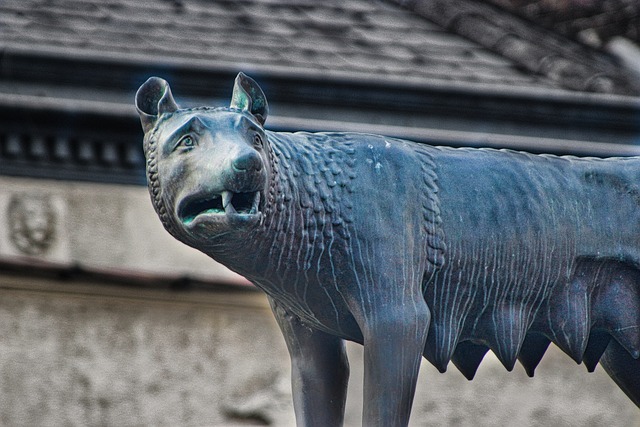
(106, 320)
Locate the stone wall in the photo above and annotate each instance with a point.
(94, 355)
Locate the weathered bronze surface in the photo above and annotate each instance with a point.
(408, 249)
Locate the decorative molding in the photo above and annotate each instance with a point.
(68, 143)
(71, 157)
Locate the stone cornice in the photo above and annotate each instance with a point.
(112, 279)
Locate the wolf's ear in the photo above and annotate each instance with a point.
(248, 96)
(152, 100)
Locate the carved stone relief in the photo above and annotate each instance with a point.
(32, 223)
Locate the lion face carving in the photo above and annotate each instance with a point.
(33, 223)
(208, 168)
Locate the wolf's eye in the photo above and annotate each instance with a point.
(257, 141)
(186, 141)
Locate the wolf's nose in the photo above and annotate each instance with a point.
(247, 162)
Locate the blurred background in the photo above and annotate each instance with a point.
(105, 320)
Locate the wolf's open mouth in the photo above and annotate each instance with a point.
(227, 203)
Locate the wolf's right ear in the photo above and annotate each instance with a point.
(153, 99)
(248, 96)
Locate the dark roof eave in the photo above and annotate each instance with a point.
(52, 66)
(199, 79)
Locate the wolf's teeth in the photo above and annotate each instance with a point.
(226, 202)
(256, 202)
(226, 198)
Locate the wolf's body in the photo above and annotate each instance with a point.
(408, 249)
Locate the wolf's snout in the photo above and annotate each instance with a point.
(247, 162)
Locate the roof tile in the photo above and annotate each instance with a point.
(370, 38)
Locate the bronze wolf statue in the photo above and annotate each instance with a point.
(408, 249)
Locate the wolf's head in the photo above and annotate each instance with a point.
(207, 168)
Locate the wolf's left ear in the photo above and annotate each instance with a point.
(152, 100)
(248, 96)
